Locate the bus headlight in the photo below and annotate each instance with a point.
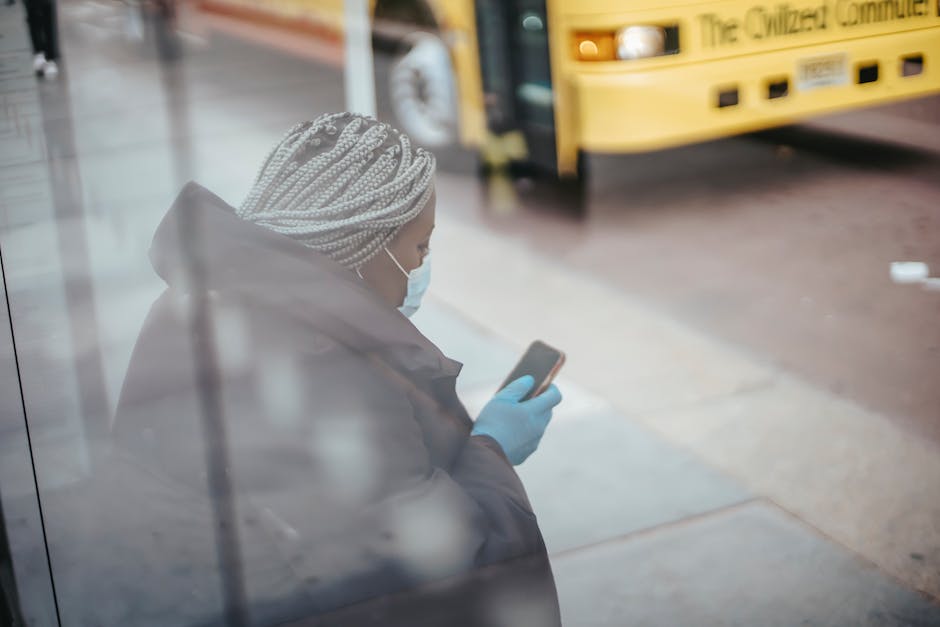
(640, 42)
(627, 43)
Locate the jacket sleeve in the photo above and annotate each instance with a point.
(477, 471)
(372, 514)
(487, 477)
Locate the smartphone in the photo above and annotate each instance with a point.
(542, 362)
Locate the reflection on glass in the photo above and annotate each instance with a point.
(232, 419)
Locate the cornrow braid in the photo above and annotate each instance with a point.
(343, 184)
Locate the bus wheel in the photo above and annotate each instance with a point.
(422, 91)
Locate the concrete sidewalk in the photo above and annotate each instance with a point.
(641, 529)
(692, 484)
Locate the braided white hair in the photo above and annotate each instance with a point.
(343, 185)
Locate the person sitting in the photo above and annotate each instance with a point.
(356, 485)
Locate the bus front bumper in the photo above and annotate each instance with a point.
(636, 111)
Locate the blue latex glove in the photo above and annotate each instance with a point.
(515, 424)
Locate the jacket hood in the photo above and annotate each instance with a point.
(202, 245)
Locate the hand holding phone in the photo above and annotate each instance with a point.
(542, 363)
(520, 411)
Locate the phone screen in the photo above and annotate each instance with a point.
(542, 362)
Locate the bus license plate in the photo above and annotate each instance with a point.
(824, 71)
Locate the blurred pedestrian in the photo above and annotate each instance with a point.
(43, 31)
(366, 494)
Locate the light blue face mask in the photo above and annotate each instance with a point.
(418, 281)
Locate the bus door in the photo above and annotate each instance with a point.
(516, 73)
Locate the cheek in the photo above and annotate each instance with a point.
(398, 288)
(414, 260)
(409, 257)
(396, 281)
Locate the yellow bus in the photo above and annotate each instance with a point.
(568, 77)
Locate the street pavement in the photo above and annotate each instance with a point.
(693, 475)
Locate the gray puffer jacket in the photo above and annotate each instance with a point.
(358, 495)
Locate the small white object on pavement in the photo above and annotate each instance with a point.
(909, 271)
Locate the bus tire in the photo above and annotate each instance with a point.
(422, 92)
